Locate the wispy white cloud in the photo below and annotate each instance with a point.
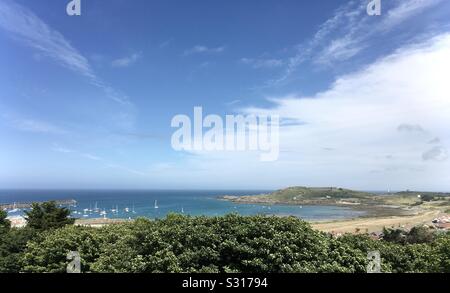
(359, 30)
(233, 102)
(165, 44)
(60, 149)
(262, 63)
(128, 170)
(406, 10)
(91, 157)
(28, 28)
(199, 49)
(349, 32)
(36, 126)
(339, 49)
(126, 61)
(96, 158)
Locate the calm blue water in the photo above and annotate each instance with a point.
(190, 202)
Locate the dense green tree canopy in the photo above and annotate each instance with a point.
(47, 215)
(13, 242)
(4, 223)
(232, 243)
(226, 244)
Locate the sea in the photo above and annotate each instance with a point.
(154, 204)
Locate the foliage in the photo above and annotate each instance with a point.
(12, 246)
(48, 252)
(394, 235)
(226, 244)
(232, 243)
(427, 197)
(416, 235)
(13, 242)
(442, 252)
(47, 215)
(420, 234)
(5, 224)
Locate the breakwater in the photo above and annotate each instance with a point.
(26, 205)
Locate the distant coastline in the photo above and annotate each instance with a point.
(27, 205)
(399, 209)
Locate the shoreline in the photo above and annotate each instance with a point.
(376, 224)
(27, 205)
(377, 214)
(362, 224)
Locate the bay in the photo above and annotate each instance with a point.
(122, 203)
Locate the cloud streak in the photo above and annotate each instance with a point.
(25, 26)
(200, 49)
(262, 63)
(38, 127)
(350, 31)
(95, 158)
(33, 125)
(126, 61)
(28, 28)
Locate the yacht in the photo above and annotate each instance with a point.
(14, 209)
(103, 213)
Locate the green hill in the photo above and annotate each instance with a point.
(301, 192)
(308, 195)
(376, 203)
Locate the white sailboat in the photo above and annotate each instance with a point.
(156, 204)
(14, 209)
(133, 211)
(182, 210)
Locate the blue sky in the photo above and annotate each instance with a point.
(87, 101)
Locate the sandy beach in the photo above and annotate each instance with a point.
(376, 224)
(357, 225)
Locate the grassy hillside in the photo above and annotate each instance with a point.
(309, 195)
(415, 193)
(300, 192)
(401, 203)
